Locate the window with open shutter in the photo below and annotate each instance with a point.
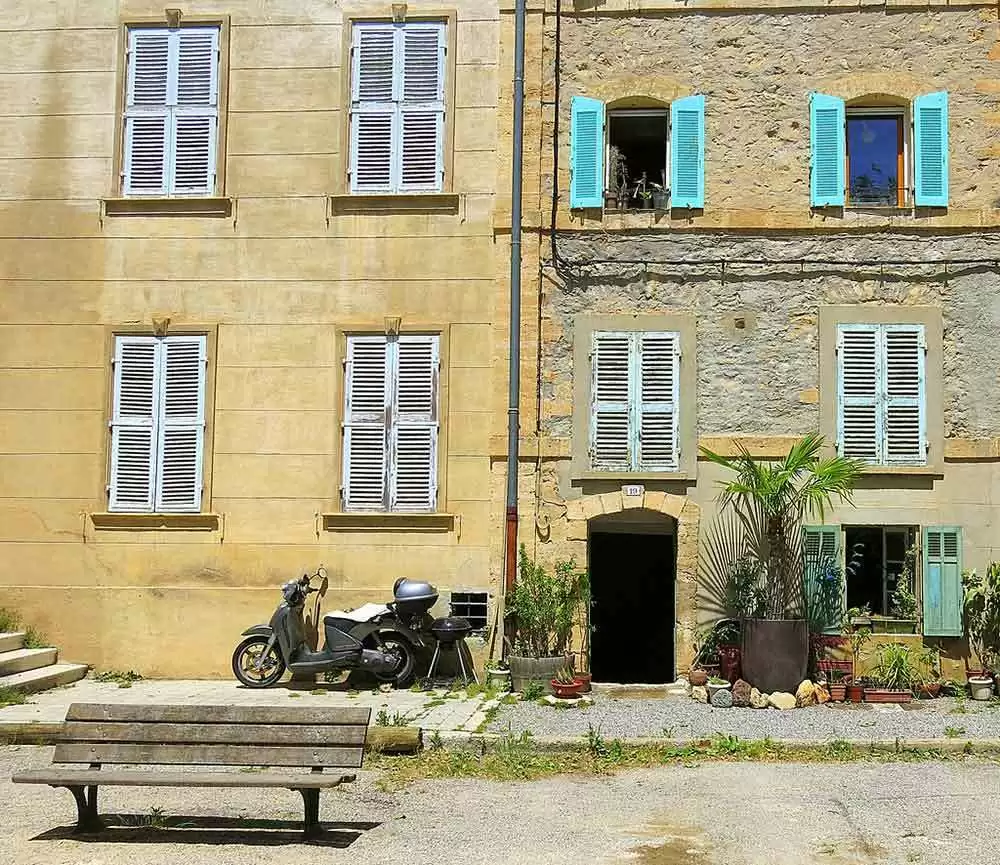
(158, 424)
(930, 133)
(391, 423)
(881, 393)
(687, 152)
(397, 107)
(634, 401)
(823, 572)
(942, 583)
(586, 180)
(171, 112)
(827, 150)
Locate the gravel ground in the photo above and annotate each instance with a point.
(682, 718)
(707, 814)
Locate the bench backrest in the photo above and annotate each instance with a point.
(214, 735)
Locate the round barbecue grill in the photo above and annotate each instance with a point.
(450, 633)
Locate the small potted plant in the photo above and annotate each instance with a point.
(643, 193)
(616, 196)
(497, 676)
(661, 197)
(929, 663)
(857, 637)
(565, 684)
(717, 684)
(837, 685)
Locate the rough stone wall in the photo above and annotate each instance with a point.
(761, 379)
(756, 70)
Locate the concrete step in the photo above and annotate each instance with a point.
(11, 640)
(42, 678)
(21, 660)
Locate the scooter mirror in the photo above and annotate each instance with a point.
(321, 573)
(323, 586)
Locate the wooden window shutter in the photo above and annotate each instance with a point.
(859, 421)
(365, 430)
(133, 423)
(610, 430)
(687, 152)
(821, 553)
(146, 145)
(414, 428)
(905, 401)
(196, 116)
(421, 159)
(942, 583)
(828, 143)
(182, 424)
(586, 187)
(658, 363)
(930, 122)
(373, 108)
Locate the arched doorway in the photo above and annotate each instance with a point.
(632, 560)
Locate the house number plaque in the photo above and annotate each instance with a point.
(633, 490)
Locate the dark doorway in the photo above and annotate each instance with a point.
(632, 584)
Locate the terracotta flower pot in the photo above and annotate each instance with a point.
(584, 678)
(567, 690)
(698, 678)
(838, 691)
(929, 690)
(883, 695)
(855, 693)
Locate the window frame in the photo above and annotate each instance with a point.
(467, 602)
(609, 113)
(584, 328)
(134, 203)
(342, 183)
(830, 319)
(904, 189)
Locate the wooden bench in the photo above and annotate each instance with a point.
(314, 739)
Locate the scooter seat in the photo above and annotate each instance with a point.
(361, 614)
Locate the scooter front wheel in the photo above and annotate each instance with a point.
(255, 669)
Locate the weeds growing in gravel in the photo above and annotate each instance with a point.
(954, 732)
(396, 719)
(12, 697)
(123, 678)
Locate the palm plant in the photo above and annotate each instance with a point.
(772, 499)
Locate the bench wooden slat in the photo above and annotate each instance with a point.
(61, 777)
(331, 716)
(208, 755)
(229, 734)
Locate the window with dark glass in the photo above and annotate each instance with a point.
(876, 166)
(472, 606)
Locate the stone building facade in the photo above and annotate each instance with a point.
(258, 247)
(761, 287)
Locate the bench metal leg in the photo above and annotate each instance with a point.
(87, 819)
(310, 799)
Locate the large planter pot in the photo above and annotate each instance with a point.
(775, 653)
(730, 667)
(882, 695)
(567, 690)
(541, 670)
(981, 687)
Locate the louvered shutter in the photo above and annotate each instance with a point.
(366, 404)
(827, 139)
(145, 158)
(586, 187)
(930, 113)
(133, 424)
(821, 554)
(687, 152)
(657, 407)
(195, 122)
(414, 431)
(859, 423)
(942, 583)
(610, 437)
(373, 109)
(421, 165)
(905, 408)
(181, 425)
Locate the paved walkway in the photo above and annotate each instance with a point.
(439, 709)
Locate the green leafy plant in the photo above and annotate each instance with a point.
(904, 601)
(981, 609)
(772, 499)
(12, 696)
(547, 606)
(857, 637)
(123, 678)
(397, 719)
(565, 676)
(534, 690)
(11, 622)
(896, 668)
(743, 593)
(954, 732)
(715, 680)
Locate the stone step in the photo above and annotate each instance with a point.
(11, 640)
(21, 660)
(42, 678)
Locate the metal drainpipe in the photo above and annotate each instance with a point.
(514, 371)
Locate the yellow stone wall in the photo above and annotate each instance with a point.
(274, 281)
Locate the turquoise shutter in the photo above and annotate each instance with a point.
(942, 582)
(824, 603)
(586, 187)
(827, 142)
(611, 434)
(687, 152)
(930, 121)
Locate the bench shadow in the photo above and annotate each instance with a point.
(181, 829)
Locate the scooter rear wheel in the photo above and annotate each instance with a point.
(402, 675)
(245, 663)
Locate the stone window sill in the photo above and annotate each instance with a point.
(387, 522)
(417, 202)
(916, 471)
(628, 477)
(210, 207)
(156, 522)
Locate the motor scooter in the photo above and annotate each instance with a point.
(380, 639)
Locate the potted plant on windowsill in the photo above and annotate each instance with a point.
(616, 196)
(661, 197)
(545, 608)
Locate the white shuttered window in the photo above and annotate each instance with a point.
(634, 401)
(171, 112)
(391, 423)
(881, 393)
(397, 107)
(158, 424)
